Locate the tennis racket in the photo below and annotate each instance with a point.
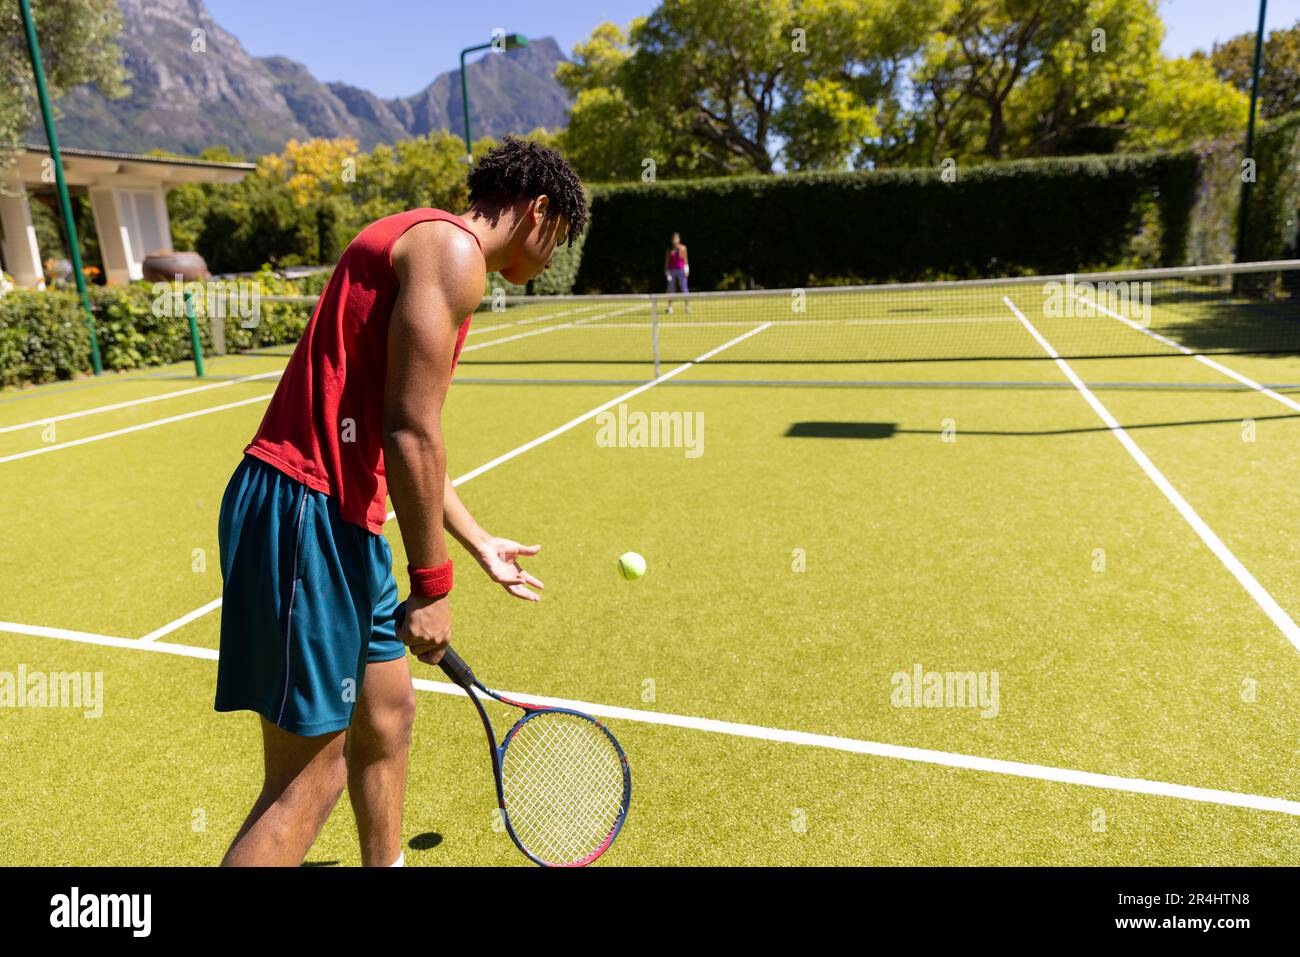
(563, 783)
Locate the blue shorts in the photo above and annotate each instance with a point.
(307, 601)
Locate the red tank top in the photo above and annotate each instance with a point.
(324, 426)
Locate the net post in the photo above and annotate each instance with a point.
(654, 332)
(195, 341)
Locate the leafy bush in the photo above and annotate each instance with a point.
(43, 335)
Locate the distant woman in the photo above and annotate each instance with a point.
(676, 268)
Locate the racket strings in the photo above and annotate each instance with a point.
(564, 786)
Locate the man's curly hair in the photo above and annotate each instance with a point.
(520, 169)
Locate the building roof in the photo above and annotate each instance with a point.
(100, 167)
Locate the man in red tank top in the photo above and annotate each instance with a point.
(308, 638)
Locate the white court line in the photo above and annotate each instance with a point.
(968, 762)
(517, 335)
(561, 429)
(87, 638)
(200, 612)
(182, 621)
(133, 428)
(949, 759)
(493, 327)
(540, 332)
(557, 315)
(1204, 360)
(1239, 571)
(951, 321)
(498, 326)
(126, 405)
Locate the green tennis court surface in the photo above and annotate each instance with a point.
(1120, 600)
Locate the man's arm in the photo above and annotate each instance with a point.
(499, 557)
(461, 524)
(441, 276)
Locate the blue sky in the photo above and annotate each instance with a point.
(396, 47)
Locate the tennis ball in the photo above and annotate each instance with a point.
(631, 565)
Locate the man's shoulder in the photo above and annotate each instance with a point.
(440, 253)
(439, 234)
(437, 243)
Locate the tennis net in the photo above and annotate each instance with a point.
(867, 334)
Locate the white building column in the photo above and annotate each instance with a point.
(114, 235)
(21, 253)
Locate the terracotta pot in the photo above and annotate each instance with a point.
(166, 266)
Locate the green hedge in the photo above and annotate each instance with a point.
(1274, 197)
(1027, 216)
(43, 335)
(1214, 215)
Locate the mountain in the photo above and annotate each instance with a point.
(185, 99)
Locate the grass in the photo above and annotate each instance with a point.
(1032, 547)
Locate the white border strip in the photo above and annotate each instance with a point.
(1239, 571)
(948, 759)
(88, 638)
(1204, 360)
(132, 428)
(126, 405)
(182, 621)
(967, 762)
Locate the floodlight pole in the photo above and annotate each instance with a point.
(512, 40)
(1243, 212)
(47, 115)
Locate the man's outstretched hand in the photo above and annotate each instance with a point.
(500, 559)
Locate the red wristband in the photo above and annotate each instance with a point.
(430, 582)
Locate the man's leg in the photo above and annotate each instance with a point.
(377, 747)
(303, 780)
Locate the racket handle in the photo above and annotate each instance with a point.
(452, 664)
(454, 667)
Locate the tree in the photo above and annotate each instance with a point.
(313, 169)
(305, 204)
(1015, 78)
(825, 126)
(1098, 68)
(1279, 77)
(425, 171)
(983, 52)
(717, 65)
(609, 137)
(78, 41)
(843, 91)
(709, 87)
(1184, 103)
